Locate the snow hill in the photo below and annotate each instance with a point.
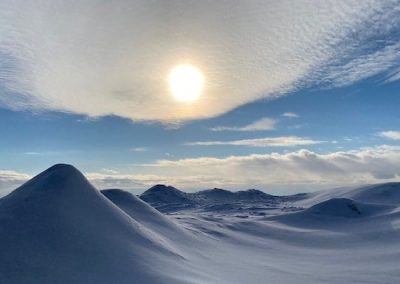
(335, 212)
(143, 213)
(58, 228)
(169, 199)
(388, 193)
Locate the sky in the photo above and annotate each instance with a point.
(297, 96)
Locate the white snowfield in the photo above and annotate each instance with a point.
(58, 229)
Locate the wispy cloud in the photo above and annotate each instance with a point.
(290, 115)
(56, 55)
(365, 66)
(32, 153)
(139, 181)
(393, 76)
(139, 149)
(9, 180)
(285, 141)
(109, 171)
(393, 135)
(259, 125)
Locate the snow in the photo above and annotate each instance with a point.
(57, 228)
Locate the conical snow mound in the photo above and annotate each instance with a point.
(58, 180)
(57, 228)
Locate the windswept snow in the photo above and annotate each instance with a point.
(57, 228)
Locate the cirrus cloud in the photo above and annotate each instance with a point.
(265, 123)
(112, 58)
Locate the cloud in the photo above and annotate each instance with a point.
(139, 149)
(393, 135)
(393, 76)
(274, 172)
(365, 66)
(285, 141)
(32, 153)
(259, 125)
(10, 180)
(303, 167)
(109, 171)
(138, 181)
(112, 58)
(290, 115)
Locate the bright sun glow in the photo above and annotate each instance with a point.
(186, 83)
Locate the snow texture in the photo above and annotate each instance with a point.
(58, 228)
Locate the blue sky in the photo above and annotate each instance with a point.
(294, 108)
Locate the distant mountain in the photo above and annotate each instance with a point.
(225, 196)
(215, 195)
(57, 228)
(167, 198)
(255, 195)
(165, 194)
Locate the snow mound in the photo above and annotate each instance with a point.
(215, 195)
(388, 193)
(170, 199)
(222, 195)
(60, 179)
(142, 212)
(165, 194)
(254, 195)
(57, 228)
(335, 209)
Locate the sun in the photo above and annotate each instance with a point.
(186, 83)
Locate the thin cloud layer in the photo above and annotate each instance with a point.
(393, 135)
(262, 124)
(101, 58)
(285, 141)
(9, 180)
(290, 115)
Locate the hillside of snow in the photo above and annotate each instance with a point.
(58, 228)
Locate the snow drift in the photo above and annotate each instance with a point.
(57, 228)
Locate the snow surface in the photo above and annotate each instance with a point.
(57, 228)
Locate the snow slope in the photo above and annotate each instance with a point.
(57, 228)
(144, 214)
(388, 193)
